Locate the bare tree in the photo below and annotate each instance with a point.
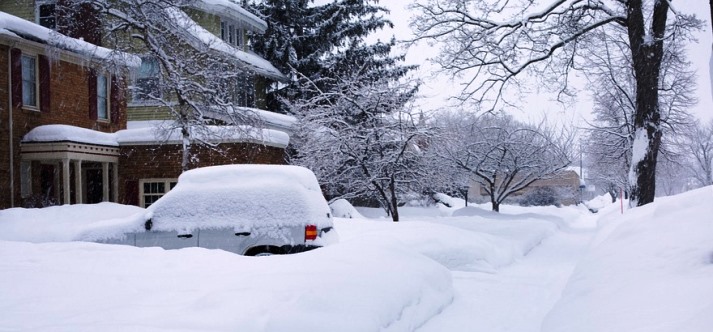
(696, 146)
(493, 43)
(196, 73)
(609, 139)
(503, 155)
(361, 138)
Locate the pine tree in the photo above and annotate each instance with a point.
(321, 43)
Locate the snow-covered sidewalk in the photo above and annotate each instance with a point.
(518, 297)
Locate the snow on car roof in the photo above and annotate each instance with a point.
(244, 197)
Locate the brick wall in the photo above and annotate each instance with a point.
(69, 104)
(164, 161)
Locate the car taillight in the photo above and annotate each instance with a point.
(310, 232)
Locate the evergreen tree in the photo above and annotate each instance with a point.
(321, 43)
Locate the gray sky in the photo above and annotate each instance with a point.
(436, 90)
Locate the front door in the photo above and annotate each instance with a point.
(94, 189)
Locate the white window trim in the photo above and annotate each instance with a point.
(165, 181)
(134, 101)
(38, 3)
(107, 76)
(235, 29)
(36, 57)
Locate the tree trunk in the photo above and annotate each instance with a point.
(394, 202)
(495, 205)
(647, 54)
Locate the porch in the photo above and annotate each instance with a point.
(68, 173)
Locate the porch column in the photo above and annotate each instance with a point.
(115, 187)
(78, 182)
(105, 182)
(65, 181)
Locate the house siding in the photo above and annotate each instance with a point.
(20, 8)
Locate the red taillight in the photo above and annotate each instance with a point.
(310, 232)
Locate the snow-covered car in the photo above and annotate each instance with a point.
(246, 209)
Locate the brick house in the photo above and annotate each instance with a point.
(71, 133)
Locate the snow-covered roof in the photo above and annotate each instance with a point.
(223, 134)
(17, 27)
(242, 197)
(268, 119)
(206, 38)
(61, 133)
(227, 8)
(154, 135)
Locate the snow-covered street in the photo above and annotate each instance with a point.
(469, 269)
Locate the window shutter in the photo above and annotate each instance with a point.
(92, 81)
(45, 92)
(131, 193)
(118, 96)
(16, 76)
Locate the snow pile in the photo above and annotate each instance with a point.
(472, 211)
(81, 222)
(348, 287)
(341, 208)
(245, 197)
(652, 273)
(454, 248)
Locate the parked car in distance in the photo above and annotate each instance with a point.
(250, 210)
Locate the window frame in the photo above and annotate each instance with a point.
(136, 96)
(104, 99)
(35, 84)
(167, 183)
(38, 17)
(231, 32)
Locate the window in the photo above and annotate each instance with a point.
(153, 189)
(29, 81)
(147, 84)
(231, 32)
(102, 97)
(46, 14)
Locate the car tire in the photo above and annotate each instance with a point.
(264, 251)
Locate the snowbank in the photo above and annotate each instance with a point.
(81, 222)
(347, 287)
(653, 272)
(341, 208)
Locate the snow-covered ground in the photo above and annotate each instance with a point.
(440, 269)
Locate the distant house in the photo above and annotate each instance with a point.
(565, 185)
(70, 131)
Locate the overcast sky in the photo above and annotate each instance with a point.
(437, 90)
